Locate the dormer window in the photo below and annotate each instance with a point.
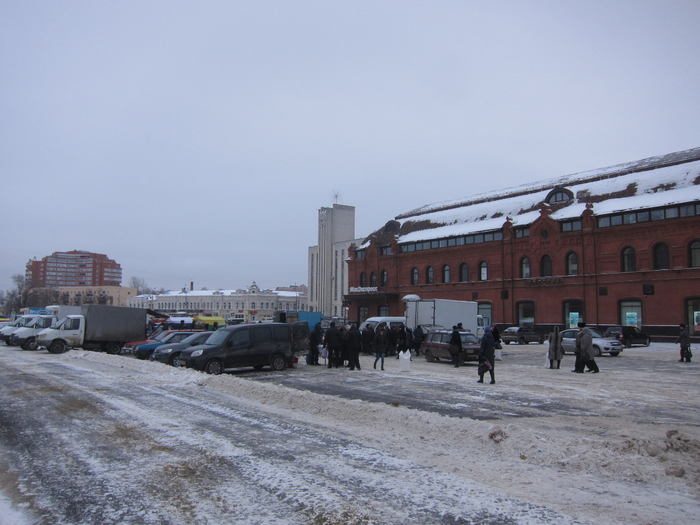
(558, 195)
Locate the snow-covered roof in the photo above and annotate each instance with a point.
(648, 183)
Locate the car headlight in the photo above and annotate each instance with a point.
(163, 350)
(196, 353)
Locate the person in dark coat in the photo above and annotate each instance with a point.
(333, 342)
(410, 340)
(418, 336)
(684, 340)
(380, 343)
(400, 340)
(487, 352)
(392, 336)
(455, 345)
(368, 340)
(315, 338)
(354, 342)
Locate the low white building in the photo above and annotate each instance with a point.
(250, 305)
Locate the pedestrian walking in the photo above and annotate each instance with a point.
(684, 340)
(380, 343)
(487, 353)
(400, 340)
(584, 347)
(555, 349)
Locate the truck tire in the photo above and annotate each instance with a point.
(278, 363)
(113, 348)
(214, 367)
(57, 347)
(31, 344)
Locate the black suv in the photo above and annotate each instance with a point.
(628, 335)
(240, 346)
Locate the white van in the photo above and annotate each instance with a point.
(375, 321)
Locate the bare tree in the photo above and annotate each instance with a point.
(140, 284)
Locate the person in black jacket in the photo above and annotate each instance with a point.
(315, 338)
(368, 340)
(487, 353)
(380, 343)
(354, 341)
(684, 340)
(455, 345)
(333, 343)
(418, 337)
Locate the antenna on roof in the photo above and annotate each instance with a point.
(336, 195)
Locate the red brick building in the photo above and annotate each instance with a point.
(618, 245)
(74, 268)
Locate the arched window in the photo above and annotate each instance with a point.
(446, 273)
(525, 268)
(661, 258)
(363, 279)
(383, 278)
(414, 276)
(546, 266)
(464, 273)
(572, 263)
(483, 271)
(629, 260)
(694, 254)
(429, 275)
(559, 195)
(373, 279)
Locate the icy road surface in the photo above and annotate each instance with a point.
(88, 438)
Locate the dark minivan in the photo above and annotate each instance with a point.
(241, 346)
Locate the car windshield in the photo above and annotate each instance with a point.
(160, 336)
(596, 334)
(218, 337)
(469, 338)
(191, 338)
(168, 337)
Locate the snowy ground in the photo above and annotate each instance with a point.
(92, 438)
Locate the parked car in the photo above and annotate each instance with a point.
(521, 335)
(436, 346)
(144, 350)
(169, 353)
(628, 335)
(601, 344)
(256, 345)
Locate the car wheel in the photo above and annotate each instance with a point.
(614, 354)
(541, 341)
(429, 357)
(507, 342)
(627, 343)
(213, 367)
(174, 360)
(58, 347)
(278, 363)
(521, 341)
(596, 351)
(647, 342)
(31, 345)
(113, 348)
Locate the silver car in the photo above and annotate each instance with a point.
(601, 344)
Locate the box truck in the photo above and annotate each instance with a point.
(98, 327)
(444, 312)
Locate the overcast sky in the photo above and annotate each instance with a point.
(196, 141)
